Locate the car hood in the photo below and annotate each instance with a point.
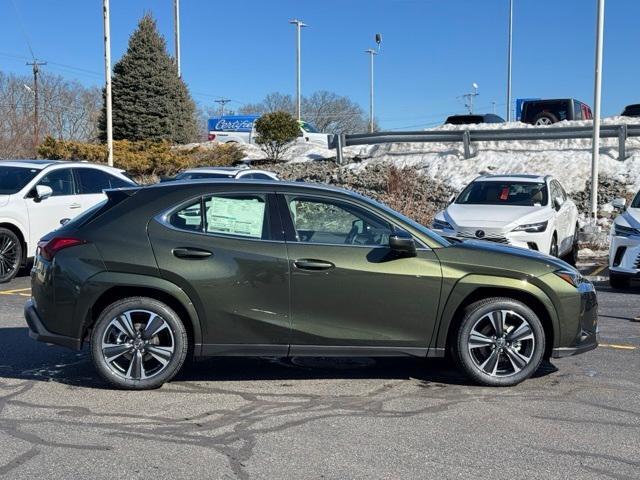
(630, 218)
(496, 216)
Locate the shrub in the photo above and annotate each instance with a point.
(144, 159)
(275, 132)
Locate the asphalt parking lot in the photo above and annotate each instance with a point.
(579, 417)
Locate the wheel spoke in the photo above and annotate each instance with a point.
(517, 360)
(156, 323)
(490, 365)
(497, 321)
(523, 332)
(113, 351)
(162, 354)
(125, 325)
(136, 368)
(479, 340)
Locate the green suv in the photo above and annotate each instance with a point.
(260, 268)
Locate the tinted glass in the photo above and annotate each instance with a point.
(60, 181)
(337, 223)
(504, 193)
(257, 176)
(14, 179)
(465, 119)
(238, 215)
(91, 181)
(188, 218)
(307, 127)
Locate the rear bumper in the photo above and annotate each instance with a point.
(39, 332)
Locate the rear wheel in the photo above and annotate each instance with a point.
(500, 342)
(545, 118)
(619, 282)
(10, 255)
(138, 343)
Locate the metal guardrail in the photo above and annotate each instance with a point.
(622, 132)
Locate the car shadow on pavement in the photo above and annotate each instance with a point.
(25, 359)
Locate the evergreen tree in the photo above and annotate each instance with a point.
(150, 101)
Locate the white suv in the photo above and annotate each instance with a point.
(36, 196)
(624, 253)
(528, 211)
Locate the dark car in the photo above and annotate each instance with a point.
(631, 110)
(261, 268)
(471, 119)
(546, 112)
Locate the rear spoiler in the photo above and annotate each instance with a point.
(119, 194)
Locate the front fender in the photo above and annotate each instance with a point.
(454, 297)
(100, 283)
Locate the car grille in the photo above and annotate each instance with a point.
(488, 235)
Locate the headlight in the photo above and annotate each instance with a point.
(441, 225)
(532, 227)
(625, 231)
(572, 277)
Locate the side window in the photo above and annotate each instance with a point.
(257, 176)
(556, 191)
(188, 218)
(336, 223)
(577, 110)
(92, 181)
(243, 215)
(115, 182)
(60, 181)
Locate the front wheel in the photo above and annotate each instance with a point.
(138, 343)
(553, 251)
(500, 342)
(10, 255)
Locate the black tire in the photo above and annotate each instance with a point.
(553, 251)
(572, 256)
(619, 282)
(506, 373)
(10, 255)
(545, 118)
(170, 343)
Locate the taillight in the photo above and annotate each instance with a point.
(212, 136)
(49, 248)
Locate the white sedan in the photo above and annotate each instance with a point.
(528, 211)
(624, 253)
(37, 195)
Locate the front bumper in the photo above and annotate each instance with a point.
(540, 241)
(624, 255)
(586, 337)
(39, 332)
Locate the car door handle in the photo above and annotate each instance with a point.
(315, 265)
(75, 205)
(193, 253)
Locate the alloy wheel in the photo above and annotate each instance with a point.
(544, 121)
(9, 257)
(501, 343)
(138, 344)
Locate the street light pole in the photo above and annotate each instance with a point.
(107, 80)
(509, 61)
(595, 156)
(371, 53)
(299, 24)
(176, 32)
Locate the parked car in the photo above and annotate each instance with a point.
(243, 172)
(624, 252)
(37, 195)
(546, 112)
(241, 129)
(527, 211)
(472, 119)
(631, 110)
(230, 267)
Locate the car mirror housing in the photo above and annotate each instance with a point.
(402, 243)
(619, 204)
(43, 192)
(557, 202)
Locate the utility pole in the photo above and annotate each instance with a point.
(469, 97)
(595, 156)
(176, 32)
(36, 118)
(299, 24)
(107, 80)
(509, 61)
(222, 102)
(371, 52)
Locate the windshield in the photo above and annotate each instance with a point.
(307, 127)
(197, 176)
(14, 179)
(528, 194)
(636, 201)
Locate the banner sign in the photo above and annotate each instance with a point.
(232, 123)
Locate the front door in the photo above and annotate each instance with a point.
(349, 292)
(224, 252)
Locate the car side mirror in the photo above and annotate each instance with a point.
(619, 204)
(402, 243)
(42, 192)
(557, 202)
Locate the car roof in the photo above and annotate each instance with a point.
(42, 164)
(513, 177)
(226, 170)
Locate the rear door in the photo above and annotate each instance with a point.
(348, 291)
(91, 184)
(227, 252)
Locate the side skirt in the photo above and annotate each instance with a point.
(260, 350)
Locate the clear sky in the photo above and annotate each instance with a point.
(433, 50)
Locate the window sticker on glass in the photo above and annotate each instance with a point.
(235, 216)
